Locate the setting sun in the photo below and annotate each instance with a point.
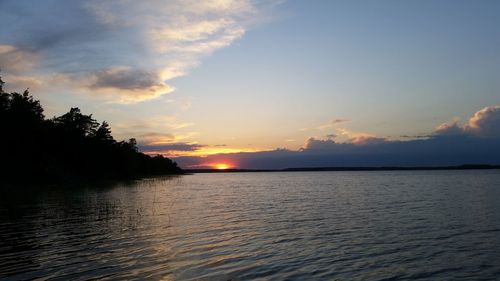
(193, 139)
(221, 166)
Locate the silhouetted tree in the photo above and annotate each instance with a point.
(74, 122)
(103, 134)
(70, 146)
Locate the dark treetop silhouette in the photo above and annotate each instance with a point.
(71, 147)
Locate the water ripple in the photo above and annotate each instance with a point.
(426, 225)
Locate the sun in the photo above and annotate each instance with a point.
(221, 166)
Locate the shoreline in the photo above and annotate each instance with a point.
(347, 169)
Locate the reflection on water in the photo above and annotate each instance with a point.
(428, 225)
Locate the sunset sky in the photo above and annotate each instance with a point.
(275, 84)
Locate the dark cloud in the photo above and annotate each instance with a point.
(337, 121)
(436, 151)
(415, 136)
(477, 142)
(313, 144)
(124, 78)
(63, 31)
(179, 146)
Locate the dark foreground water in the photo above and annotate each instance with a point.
(409, 225)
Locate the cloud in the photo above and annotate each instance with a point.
(437, 151)
(18, 83)
(165, 148)
(329, 144)
(449, 129)
(415, 136)
(120, 51)
(180, 148)
(367, 140)
(170, 147)
(133, 85)
(313, 144)
(153, 123)
(195, 38)
(154, 138)
(123, 78)
(485, 123)
(476, 142)
(15, 59)
(332, 123)
(358, 138)
(157, 138)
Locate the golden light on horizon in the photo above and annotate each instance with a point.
(202, 152)
(221, 166)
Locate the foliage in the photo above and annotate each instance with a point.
(73, 146)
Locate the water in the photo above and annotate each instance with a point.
(405, 225)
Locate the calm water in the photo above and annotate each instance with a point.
(425, 225)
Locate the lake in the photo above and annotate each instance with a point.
(384, 225)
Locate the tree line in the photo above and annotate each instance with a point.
(73, 146)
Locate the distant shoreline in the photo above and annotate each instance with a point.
(340, 169)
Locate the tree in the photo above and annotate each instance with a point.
(75, 122)
(4, 100)
(25, 107)
(103, 134)
(1, 84)
(71, 146)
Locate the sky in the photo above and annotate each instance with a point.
(269, 84)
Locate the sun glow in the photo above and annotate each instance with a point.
(221, 166)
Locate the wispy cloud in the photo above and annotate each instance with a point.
(15, 59)
(158, 122)
(153, 138)
(179, 146)
(157, 130)
(119, 50)
(332, 123)
(178, 149)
